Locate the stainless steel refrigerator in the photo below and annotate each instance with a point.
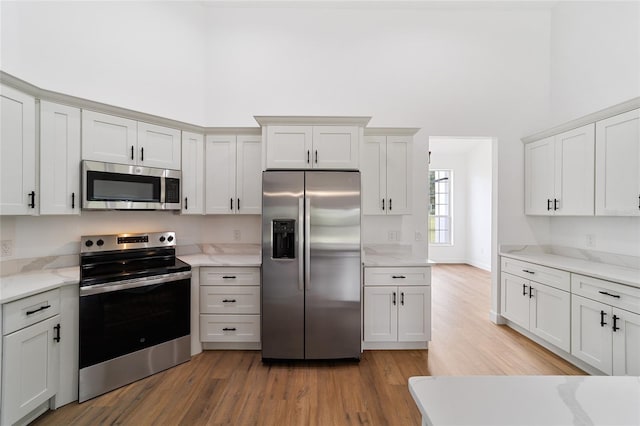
(311, 265)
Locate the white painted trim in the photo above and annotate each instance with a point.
(239, 346)
(620, 108)
(82, 103)
(233, 131)
(483, 266)
(496, 318)
(390, 131)
(304, 120)
(395, 345)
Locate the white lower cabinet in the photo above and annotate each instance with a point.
(603, 335)
(595, 321)
(230, 305)
(539, 308)
(396, 313)
(30, 355)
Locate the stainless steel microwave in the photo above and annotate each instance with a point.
(111, 186)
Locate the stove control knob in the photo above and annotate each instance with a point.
(88, 243)
(162, 239)
(100, 243)
(170, 238)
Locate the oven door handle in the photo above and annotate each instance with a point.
(134, 283)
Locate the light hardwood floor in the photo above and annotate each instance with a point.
(236, 388)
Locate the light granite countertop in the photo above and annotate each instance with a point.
(527, 400)
(33, 276)
(622, 269)
(392, 255)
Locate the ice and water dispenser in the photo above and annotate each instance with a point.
(284, 239)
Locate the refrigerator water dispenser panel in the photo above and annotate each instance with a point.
(284, 238)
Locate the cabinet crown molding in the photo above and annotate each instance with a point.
(233, 130)
(308, 120)
(391, 131)
(620, 108)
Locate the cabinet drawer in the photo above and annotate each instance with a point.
(614, 294)
(542, 274)
(229, 276)
(397, 276)
(229, 328)
(229, 300)
(30, 310)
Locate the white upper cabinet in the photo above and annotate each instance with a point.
(17, 153)
(120, 140)
(312, 142)
(559, 174)
(109, 138)
(233, 174)
(618, 165)
(386, 172)
(192, 173)
(335, 147)
(289, 147)
(158, 146)
(59, 159)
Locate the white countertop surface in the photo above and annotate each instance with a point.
(619, 273)
(392, 255)
(24, 284)
(527, 400)
(14, 287)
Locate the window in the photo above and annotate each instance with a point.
(440, 207)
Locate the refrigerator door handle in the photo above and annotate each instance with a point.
(301, 240)
(307, 241)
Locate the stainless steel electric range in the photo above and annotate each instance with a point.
(134, 309)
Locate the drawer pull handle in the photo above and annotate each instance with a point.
(402, 298)
(57, 336)
(41, 308)
(530, 292)
(524, 289)
(229, 329)
(617, 296)
(528, 271)
(615, 325)
(229, 301)
(602, 323)
(394, 299)
(398, 276)
(229, 277)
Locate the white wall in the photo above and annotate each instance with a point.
(39, 236)
(595, 58)
(479, 188)
(145, 56)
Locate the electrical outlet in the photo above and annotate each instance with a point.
(236, 235)
(7, 248)
(591, 240)
(418, 236)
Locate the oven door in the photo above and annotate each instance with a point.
(119, 319)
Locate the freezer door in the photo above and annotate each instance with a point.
(282, 267)
(332, 282)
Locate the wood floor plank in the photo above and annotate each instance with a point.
(237, 388)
